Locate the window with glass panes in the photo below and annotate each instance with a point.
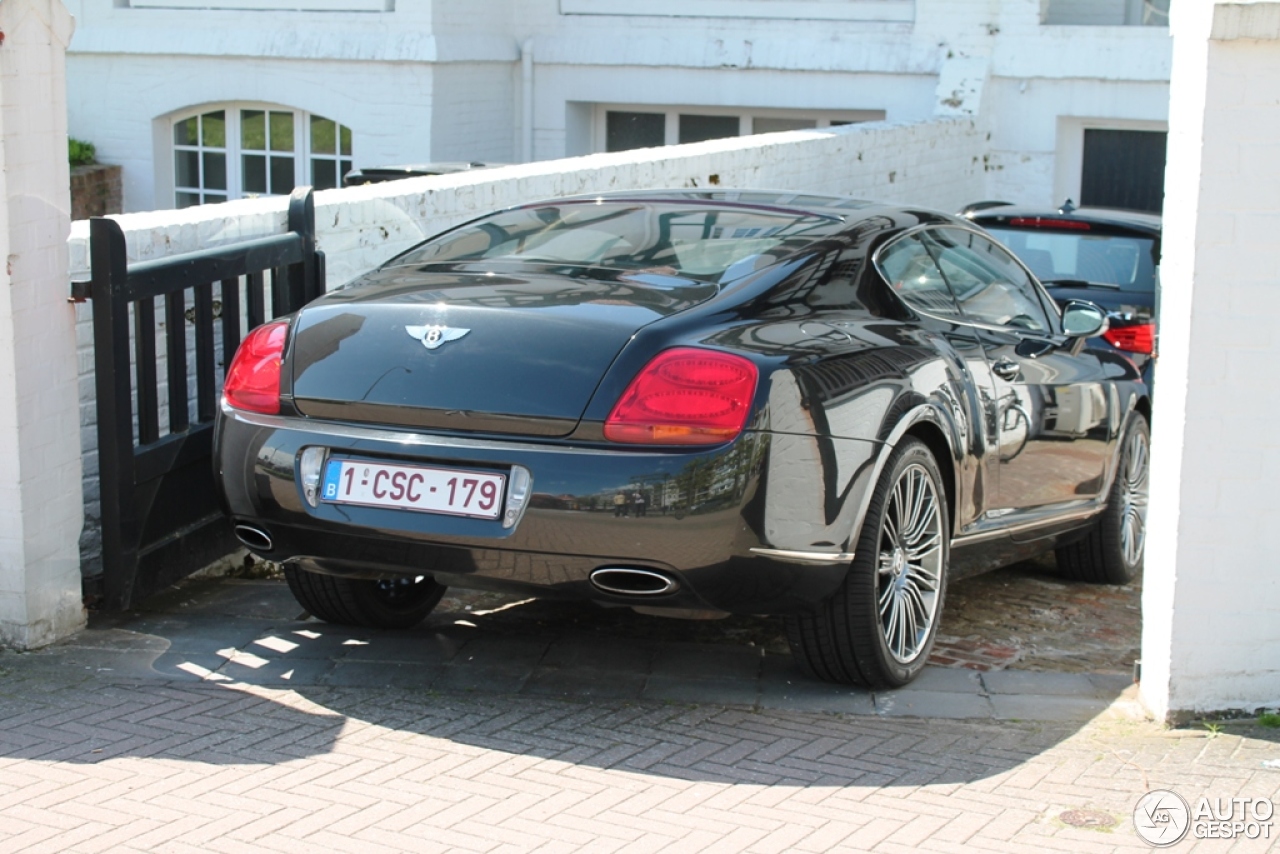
(239, 151)
(330, 152)
(622, 128)
(200, 159)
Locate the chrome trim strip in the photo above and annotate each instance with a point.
(1044, 522)
(791, 556)
(325, 430)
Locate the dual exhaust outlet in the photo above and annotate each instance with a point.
(617, 580)
(631, 581)
(254, 537)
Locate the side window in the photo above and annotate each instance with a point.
(988, 283)
(909, 268)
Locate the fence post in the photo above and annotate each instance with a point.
(109, 267)
(302, 221)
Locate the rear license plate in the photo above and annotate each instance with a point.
(456, 492)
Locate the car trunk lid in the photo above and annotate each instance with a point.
(505, 349)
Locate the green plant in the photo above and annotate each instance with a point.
(1269, 719)
(1214, 729)
(81, 153)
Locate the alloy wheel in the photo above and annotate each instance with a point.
(909, 567)
(1135, 491)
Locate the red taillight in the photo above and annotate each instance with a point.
(1133, 339)
(1042, 222)
(253, 380)
(685, 396)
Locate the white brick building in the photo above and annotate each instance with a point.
(372, 82)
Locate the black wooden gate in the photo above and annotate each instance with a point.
(161, 518)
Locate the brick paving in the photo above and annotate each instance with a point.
(215, 720)
(90, 763)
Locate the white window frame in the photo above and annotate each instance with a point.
(809, 10)
(166, 168)
(200, 149)
(745, 116)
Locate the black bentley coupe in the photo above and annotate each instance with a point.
(690, 403)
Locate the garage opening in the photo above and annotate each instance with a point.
(1123, 169)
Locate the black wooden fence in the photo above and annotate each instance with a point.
(161, 518)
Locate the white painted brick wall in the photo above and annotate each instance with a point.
(936, 164)
(439, 80)
(1211, 637)
(40, 508)
(474, 112)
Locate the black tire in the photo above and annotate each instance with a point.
(851, 639)
(1112, 551)
(392, 604)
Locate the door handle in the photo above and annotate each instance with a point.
(1033, 348)
(1006, 369)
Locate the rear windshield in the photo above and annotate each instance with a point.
(693, 241)
(1123, 260)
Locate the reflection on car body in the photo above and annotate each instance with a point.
(690, 402)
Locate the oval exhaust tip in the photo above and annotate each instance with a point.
(254, 538)
(628, 581)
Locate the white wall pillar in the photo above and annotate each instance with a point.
(1211, 601)
(41, 508)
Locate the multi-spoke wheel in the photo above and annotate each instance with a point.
(878, 629)
(909, 564)
(387, 604)
(1111, 552)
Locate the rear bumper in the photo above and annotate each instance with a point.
(758, 526)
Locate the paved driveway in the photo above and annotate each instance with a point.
(216, 720)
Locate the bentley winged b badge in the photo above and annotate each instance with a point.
(433, 336)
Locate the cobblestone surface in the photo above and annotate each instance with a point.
(1026, 617)
(1023, 616)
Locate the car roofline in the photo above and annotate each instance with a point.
(1135, 220)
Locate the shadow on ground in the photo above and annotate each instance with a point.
(99, 719)
(230, 671)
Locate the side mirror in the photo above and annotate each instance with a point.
(1082, 319)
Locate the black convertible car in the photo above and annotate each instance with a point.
(690, 403)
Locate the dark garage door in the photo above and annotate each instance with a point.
(1123, 169)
